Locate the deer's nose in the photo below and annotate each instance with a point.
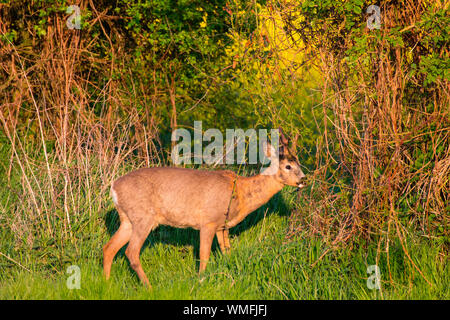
(302, 180)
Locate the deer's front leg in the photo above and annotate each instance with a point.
(206, 237)
(224, 241)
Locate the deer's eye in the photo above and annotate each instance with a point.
(288, 167)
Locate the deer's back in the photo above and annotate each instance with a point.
(175, 196)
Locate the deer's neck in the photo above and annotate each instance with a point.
(251, 193)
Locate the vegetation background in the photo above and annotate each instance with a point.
(370, 107)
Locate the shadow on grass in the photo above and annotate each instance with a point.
(190, 237)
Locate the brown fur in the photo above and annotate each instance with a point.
(182, 198)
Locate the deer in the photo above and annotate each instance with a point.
(211, 201)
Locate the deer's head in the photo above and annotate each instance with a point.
(284, 164)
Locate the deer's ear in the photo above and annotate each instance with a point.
(269, 150)
(294, 144)
(282, 150)
(283, 139)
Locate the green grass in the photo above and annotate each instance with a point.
(261, 265)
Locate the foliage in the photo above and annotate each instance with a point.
(388, 91)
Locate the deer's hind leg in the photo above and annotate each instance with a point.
(118, 240)
(141, 229)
